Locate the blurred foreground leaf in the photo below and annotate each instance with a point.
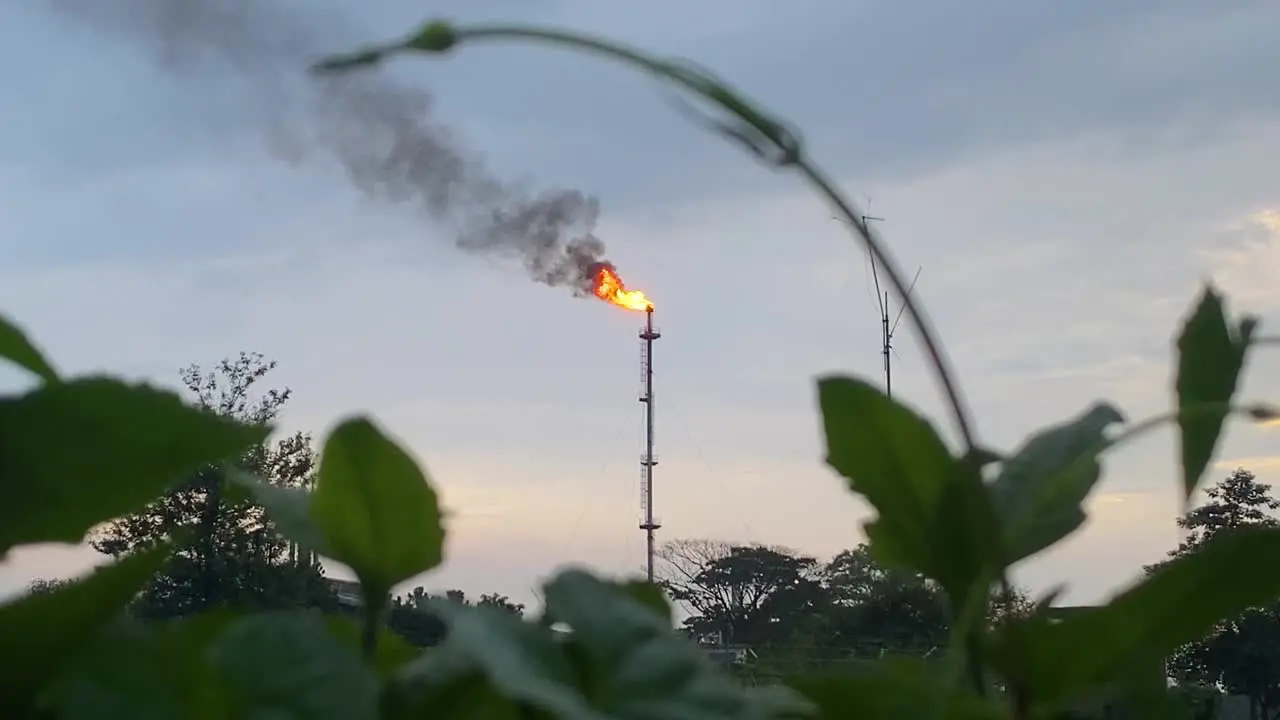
(1176, 604)
(79, 453)
(1040, 491)
(146, 670)
(892, 457)
(935, 515)
(376, 510)
(634, 667)
(895, 689)
(18, 349)
(1211, 357)
(288, 665)
(42, 631)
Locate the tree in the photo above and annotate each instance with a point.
(501, 602)
(236, 557)
(41, 585)
(409, 618)
(741, 594)
(494, 600)
(1013, 603)
(1242, 654)
(412, 619)
(877, 609)
(1235, 502)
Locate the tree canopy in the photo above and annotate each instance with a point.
(783, 603)
(1242, 654)
(237, 557)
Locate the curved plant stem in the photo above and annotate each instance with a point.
(758, 131)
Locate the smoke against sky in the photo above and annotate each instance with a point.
(381, 133)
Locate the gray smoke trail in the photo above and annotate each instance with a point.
(380, 133)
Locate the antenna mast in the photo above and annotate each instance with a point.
(887, 328)
(647, 523)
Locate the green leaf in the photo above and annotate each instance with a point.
(146, 670)
(778, 702)
(1211, 357)
(390, 654)
(376, 509)
(163, 670)
(1040, 491)
(42, 632)
(521, 660)
(895, 689)
(79, 453)
(935, 515)
(616, 658)
(1144, 691)
(631, 663)
(649, 595)
(1178, 603)
(444, 678)
(288, 665)
(469, 698)
(19, 350)
(891, 456)
(967, 554)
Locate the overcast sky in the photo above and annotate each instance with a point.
(1065, 175)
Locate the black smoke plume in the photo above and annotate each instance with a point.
(380, 132)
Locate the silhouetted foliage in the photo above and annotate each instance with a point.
(237, 559)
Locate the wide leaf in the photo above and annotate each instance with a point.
(1040, 491)
(392, 651)
(1211, 357)
(1176, 604)
(79, 453)
(892, 689)
(634, 667)
(376, 510)
(967, 553)
(42, 632)
(894, 458)
(434, 683)
(18, 349)
(288, 665)
(152, 670)
(520, 660)
(163, 670)
(650, 595)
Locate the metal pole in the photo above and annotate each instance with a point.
(648, 334)
(888, 338)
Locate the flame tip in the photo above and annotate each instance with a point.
(608, 286)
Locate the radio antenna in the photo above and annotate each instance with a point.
(887, 328)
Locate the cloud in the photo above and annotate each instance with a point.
(923, 88)
(1254, 464)
(1246, 261)
(909, 97)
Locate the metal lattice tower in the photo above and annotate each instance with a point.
(647, 461)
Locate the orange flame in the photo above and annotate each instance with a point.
(610, 288)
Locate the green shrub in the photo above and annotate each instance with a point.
(76, 452)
